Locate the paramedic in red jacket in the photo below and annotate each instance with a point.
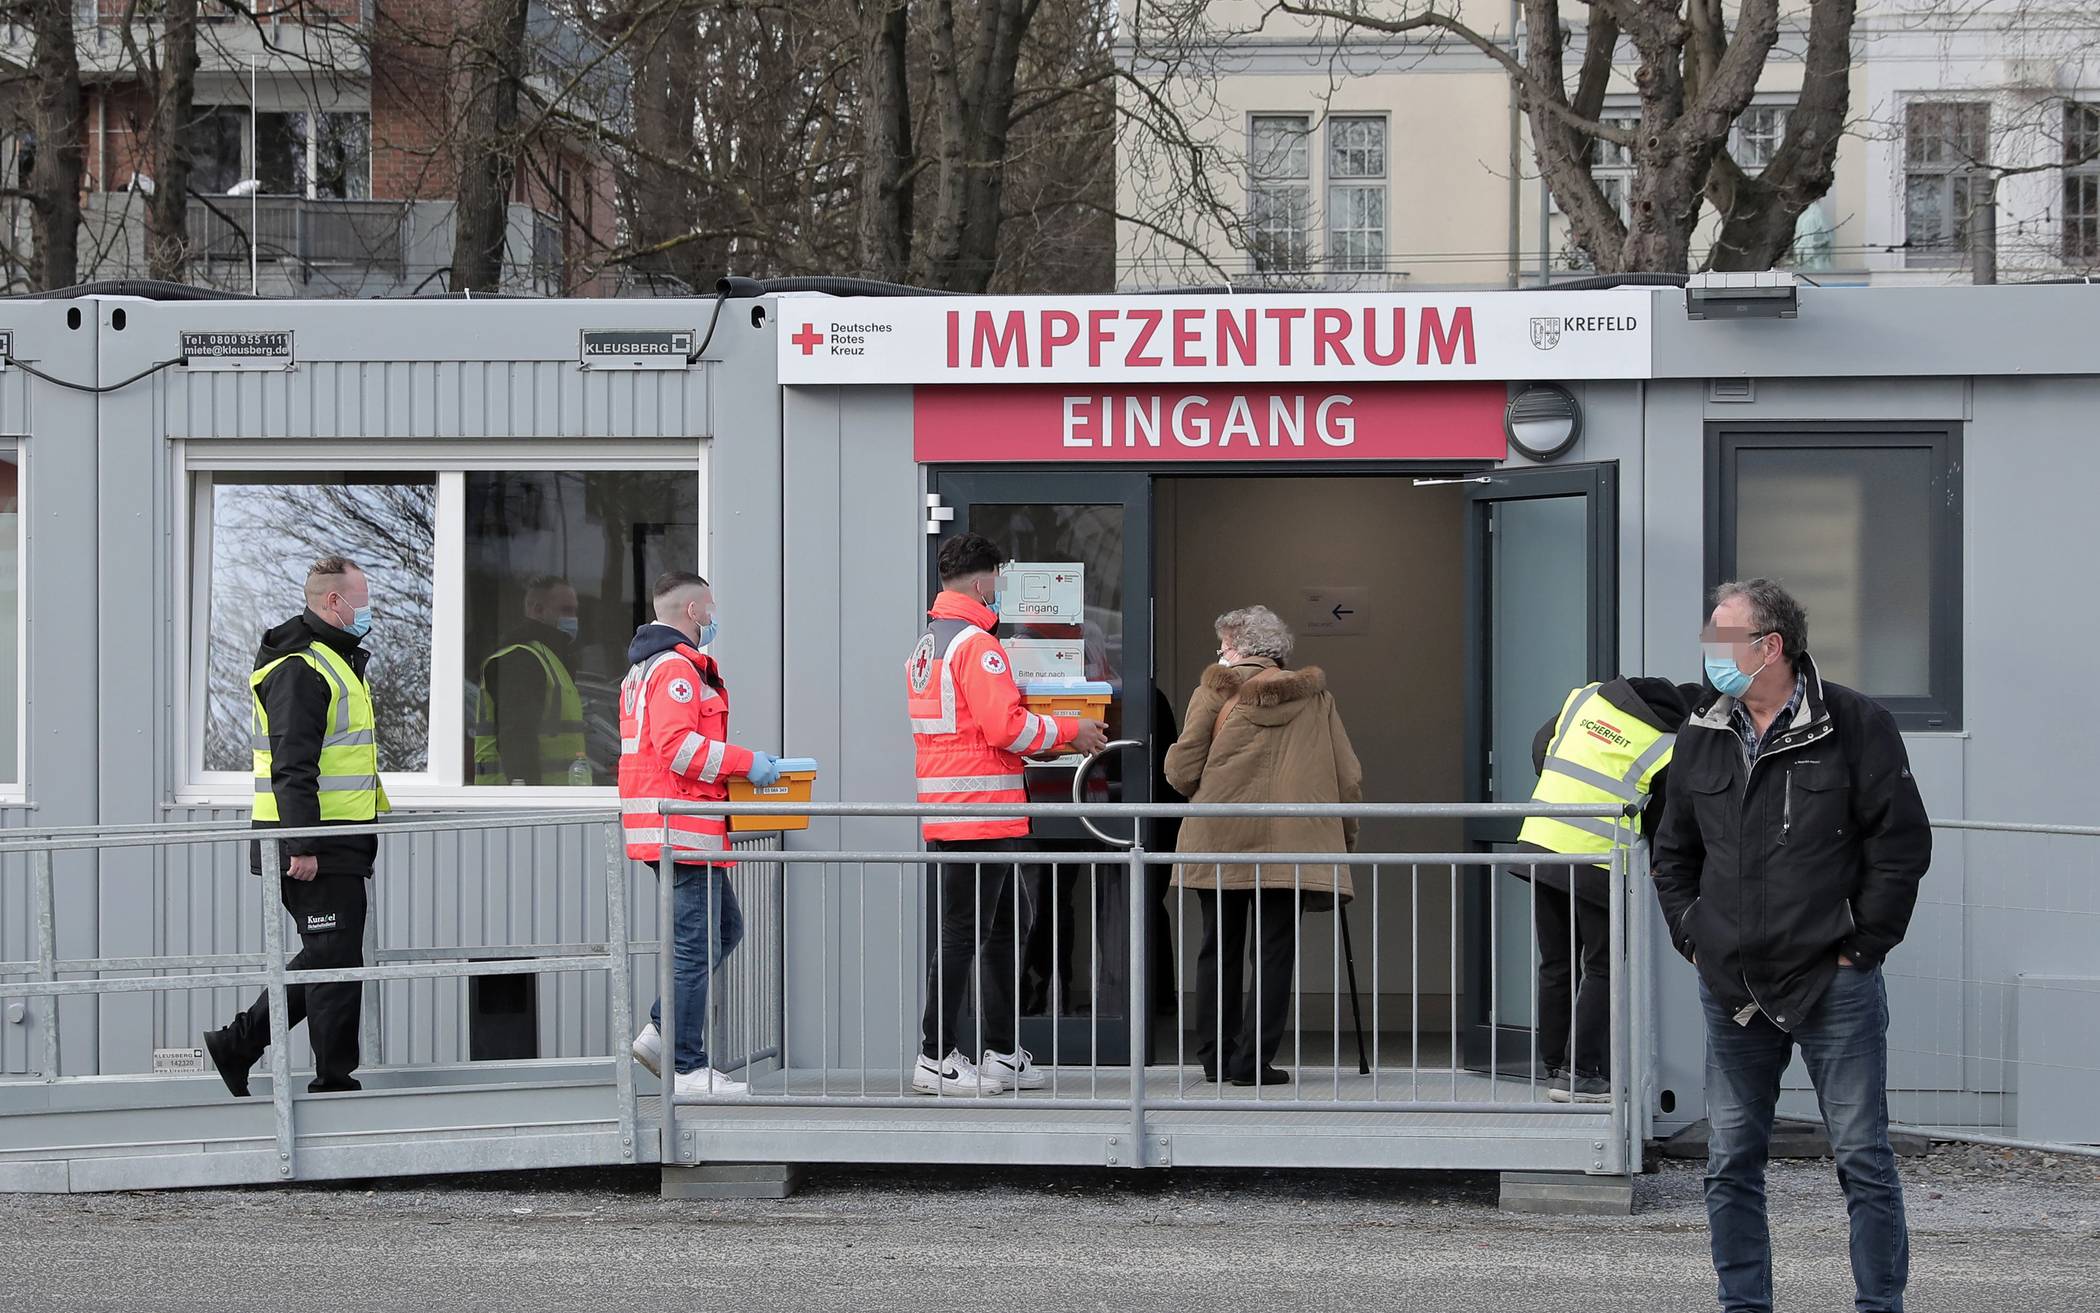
(970, 731)
(674, 747)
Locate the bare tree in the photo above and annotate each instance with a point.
(50, 108)
(167, 68)
(494, 55)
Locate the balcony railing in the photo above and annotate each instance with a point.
(292, 228)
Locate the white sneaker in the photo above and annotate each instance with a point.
(649, 1049)
(956, 1075)
(1015, 1071)
(706, 1085)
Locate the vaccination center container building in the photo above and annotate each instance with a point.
(1464, 504)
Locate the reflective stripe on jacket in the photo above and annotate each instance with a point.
(348, 788)
(561, 739)
(674, 747)
(970, 727)
(1599, 754)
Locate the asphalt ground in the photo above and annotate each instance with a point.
(1992, 1232)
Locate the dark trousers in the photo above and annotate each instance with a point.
(1844, 1043)
(1245, 1009)
(1574, 935)
(329, 913)
(975, 905)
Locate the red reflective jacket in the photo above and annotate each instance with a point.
(674, 747)
(970, 728)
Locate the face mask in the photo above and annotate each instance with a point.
(1727, 676)
(360, 622)
(991, 603)
(567, 624)
(708, 632)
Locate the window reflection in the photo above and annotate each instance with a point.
(558, 568)
(263, 531)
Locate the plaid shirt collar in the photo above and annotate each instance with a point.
(1753, 743)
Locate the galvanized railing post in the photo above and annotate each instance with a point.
(620, 985)
(47, 952)
(280, 1014)
(667, 1004)
(1615, 1160)
(1139, 1016)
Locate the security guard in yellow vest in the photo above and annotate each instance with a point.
(1610, 745)
(528, 717)
(316, 764)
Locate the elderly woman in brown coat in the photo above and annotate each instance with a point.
(1257, 731)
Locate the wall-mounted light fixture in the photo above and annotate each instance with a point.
(1543, 421)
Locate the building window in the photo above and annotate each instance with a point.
(2081, 183)
(1356, 194)
(1611, 164)
(1279, 197)
(1863, 525)
(1946, 150)
(477, 577)
(1755, 138)
(10, 617)
(545, 547)
(258, 533)
(320, 156)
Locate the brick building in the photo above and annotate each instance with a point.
(346, 118)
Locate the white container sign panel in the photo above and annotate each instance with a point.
(1333, 612)
(1174, 341)
(179, 1062)
(1047, 659)
(636, 348)
(252, 351)
(1042, 593)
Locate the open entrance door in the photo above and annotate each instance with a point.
(1543, 614)
(1097, 526)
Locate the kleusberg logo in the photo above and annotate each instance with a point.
(1547, 330)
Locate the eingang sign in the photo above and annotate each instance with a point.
(1221, 340)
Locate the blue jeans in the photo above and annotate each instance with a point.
(1844, 1043)
(696, 890)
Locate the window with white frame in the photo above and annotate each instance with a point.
(2081, 155)
(1279, 193)
(469, 567)
(320, 156)
(1356, 193)
(1611, 164)
(1755, 138)
(1946, 151)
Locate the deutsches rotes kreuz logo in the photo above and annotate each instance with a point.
(1545, 332)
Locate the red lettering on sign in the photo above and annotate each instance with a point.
(1060, 328)
(1374, 356)
(1283, 317)
(1009, 345)
(1148, 324)
(1331, 332)
(1185, 338)
(1100, 328)
(1236, 335)
(1446, 344)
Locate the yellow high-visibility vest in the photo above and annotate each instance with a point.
(349, 768)
(561, 735)
(1602, 755)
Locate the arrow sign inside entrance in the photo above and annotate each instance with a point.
(1333, 612)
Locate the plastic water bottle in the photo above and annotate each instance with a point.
(580, 772)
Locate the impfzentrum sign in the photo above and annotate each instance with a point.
(1218, 339)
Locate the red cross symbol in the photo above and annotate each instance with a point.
(808, 338)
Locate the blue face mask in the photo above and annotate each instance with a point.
(1727, 676)
(708, 633)
(567, 624)
(360, 622)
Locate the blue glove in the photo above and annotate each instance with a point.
(765, 769)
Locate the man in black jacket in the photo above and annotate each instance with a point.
(1787, 865)
(315, 740)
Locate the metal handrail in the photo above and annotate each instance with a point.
(1079, 778)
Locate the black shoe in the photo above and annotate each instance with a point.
(232, 1070)
(347, 1085)
(1269, 1076)
(1567, 1088)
